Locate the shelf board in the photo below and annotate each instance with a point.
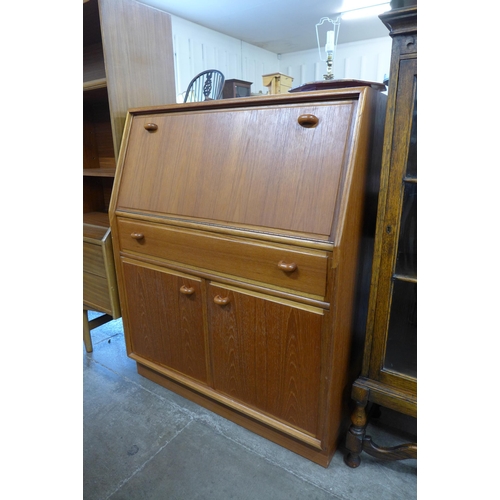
(98, 83)
(96, 219)
(99, 172)
(405, 277)
(95, 225)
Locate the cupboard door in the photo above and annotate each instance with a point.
(266, 354)
(165, 318)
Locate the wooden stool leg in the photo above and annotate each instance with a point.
(87, 339)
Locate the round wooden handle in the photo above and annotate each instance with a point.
(187, 290)
(308, 121)
(221, 301)
(137, 236)
(151, 127)
(288, 268)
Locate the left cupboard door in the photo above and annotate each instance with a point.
(165, 318)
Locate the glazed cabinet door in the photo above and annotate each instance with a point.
(165, 318)
(394, 358)
(267, 354)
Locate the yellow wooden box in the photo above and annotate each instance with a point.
(277, 83)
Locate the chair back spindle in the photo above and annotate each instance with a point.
(205, 86)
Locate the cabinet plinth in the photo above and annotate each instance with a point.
(240, 234)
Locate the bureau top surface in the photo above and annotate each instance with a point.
(278, 163)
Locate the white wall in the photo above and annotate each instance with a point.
(197, 48)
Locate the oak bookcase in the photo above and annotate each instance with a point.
(389, 374)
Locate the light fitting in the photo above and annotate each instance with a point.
(332, 34)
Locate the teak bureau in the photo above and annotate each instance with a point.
(238, 238)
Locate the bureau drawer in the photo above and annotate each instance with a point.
(93, 259)
(275, 265)
(96, 293)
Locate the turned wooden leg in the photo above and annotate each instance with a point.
(87, 339)
(356, 433)
(357, 441)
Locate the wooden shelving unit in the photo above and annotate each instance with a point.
(127, 62)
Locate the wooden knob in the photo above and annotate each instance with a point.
(287, 267)
(137, 236)
(151, 127)
(308, 121)
(221, 301)
(187, 290)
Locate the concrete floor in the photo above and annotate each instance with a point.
(141, 441)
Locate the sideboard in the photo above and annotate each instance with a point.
(239, 236)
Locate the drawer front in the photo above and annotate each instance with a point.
(96, 293)
(278, 266)
(93, 259)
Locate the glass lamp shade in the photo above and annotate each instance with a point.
(327, 33)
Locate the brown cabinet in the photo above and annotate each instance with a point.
(236, 88)
(238, 240)
(127, 62)
(389, 374)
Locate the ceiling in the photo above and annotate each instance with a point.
(280, 26)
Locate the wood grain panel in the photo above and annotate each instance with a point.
(97, 137)
(267, 355)
(166, 325)
(93, 259)
(99, 221)
(258, 166)
(90, 146)
(96, 293)
(139, 57)
(93, 63)
(96, 194)
(238, 257)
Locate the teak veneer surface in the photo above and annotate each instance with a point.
(265, 169)
(161, 307)
(270, 359)
(240, 257)
(238, 230)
